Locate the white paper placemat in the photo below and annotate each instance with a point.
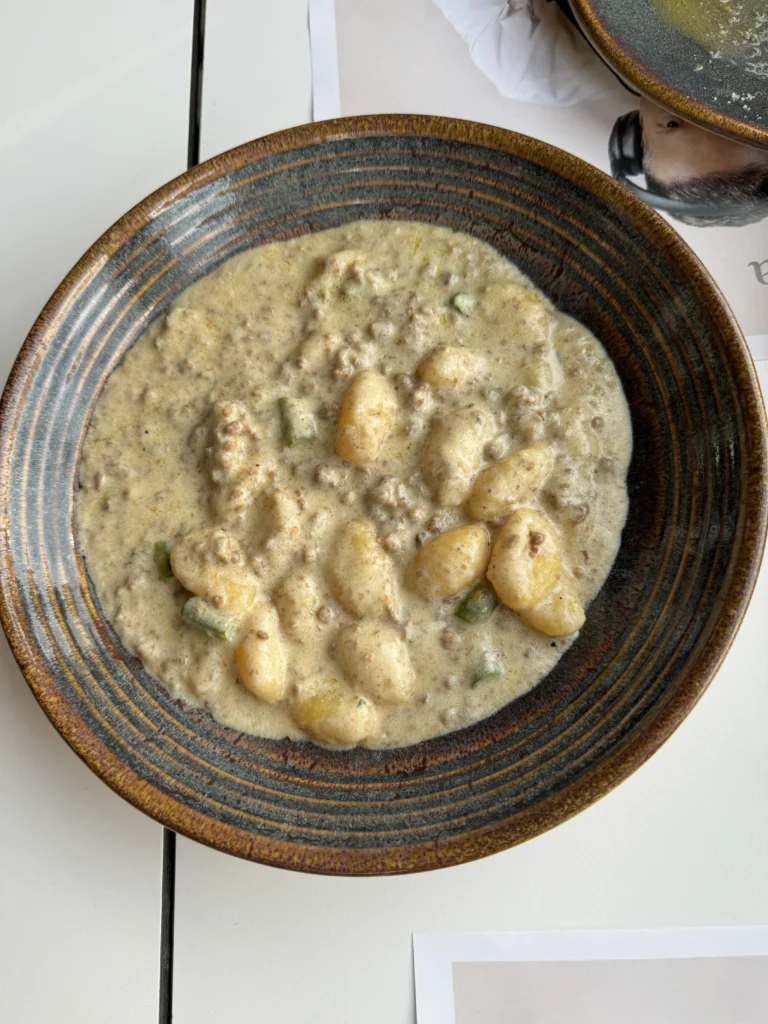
(674, 976)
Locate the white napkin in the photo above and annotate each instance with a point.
(529, 50)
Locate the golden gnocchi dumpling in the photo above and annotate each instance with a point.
(331, 714)
(451, 367)
(451, 562)
(297, 600)
(509, 482)
(210, 563)
(454, 453)
(280, 527)
(561, 612)
(525, 561)
(366, 416)
(361, 573)
(259, 658)
(375, 660)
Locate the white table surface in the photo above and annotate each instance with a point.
(95, 116)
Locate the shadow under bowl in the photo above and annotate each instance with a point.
(654, 636)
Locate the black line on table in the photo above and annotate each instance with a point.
(196, 84)
(168, 893)
(167, 913)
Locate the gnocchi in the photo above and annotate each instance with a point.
(259, 657)
(509, 482)
(367, 414)
(525, 562)
(353, 485)
(561, 613)
(361, 574)
(450, 563)
(330, 714)
(375, 660)
(209, 562)
(454, 453)
(451, 367)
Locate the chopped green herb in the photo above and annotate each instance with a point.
(491, 664)
(163, 560)
(298, 424)
(478, 605)
(210, 620)
(464, 302)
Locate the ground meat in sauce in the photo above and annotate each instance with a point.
(298, 592)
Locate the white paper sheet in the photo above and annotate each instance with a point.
(325, 65)
(449, 991)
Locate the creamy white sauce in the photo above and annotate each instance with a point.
(188, 435)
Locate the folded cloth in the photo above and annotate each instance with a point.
(530, 50)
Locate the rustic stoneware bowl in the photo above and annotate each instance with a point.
(726, 96)
(653, 638)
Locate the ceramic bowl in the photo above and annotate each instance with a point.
(655, 635)
(724, 93)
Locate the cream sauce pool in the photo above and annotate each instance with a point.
(296, 479)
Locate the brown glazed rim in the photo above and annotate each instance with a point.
(577, 795)
(673, 100)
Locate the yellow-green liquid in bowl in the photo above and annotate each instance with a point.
(722, 26)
